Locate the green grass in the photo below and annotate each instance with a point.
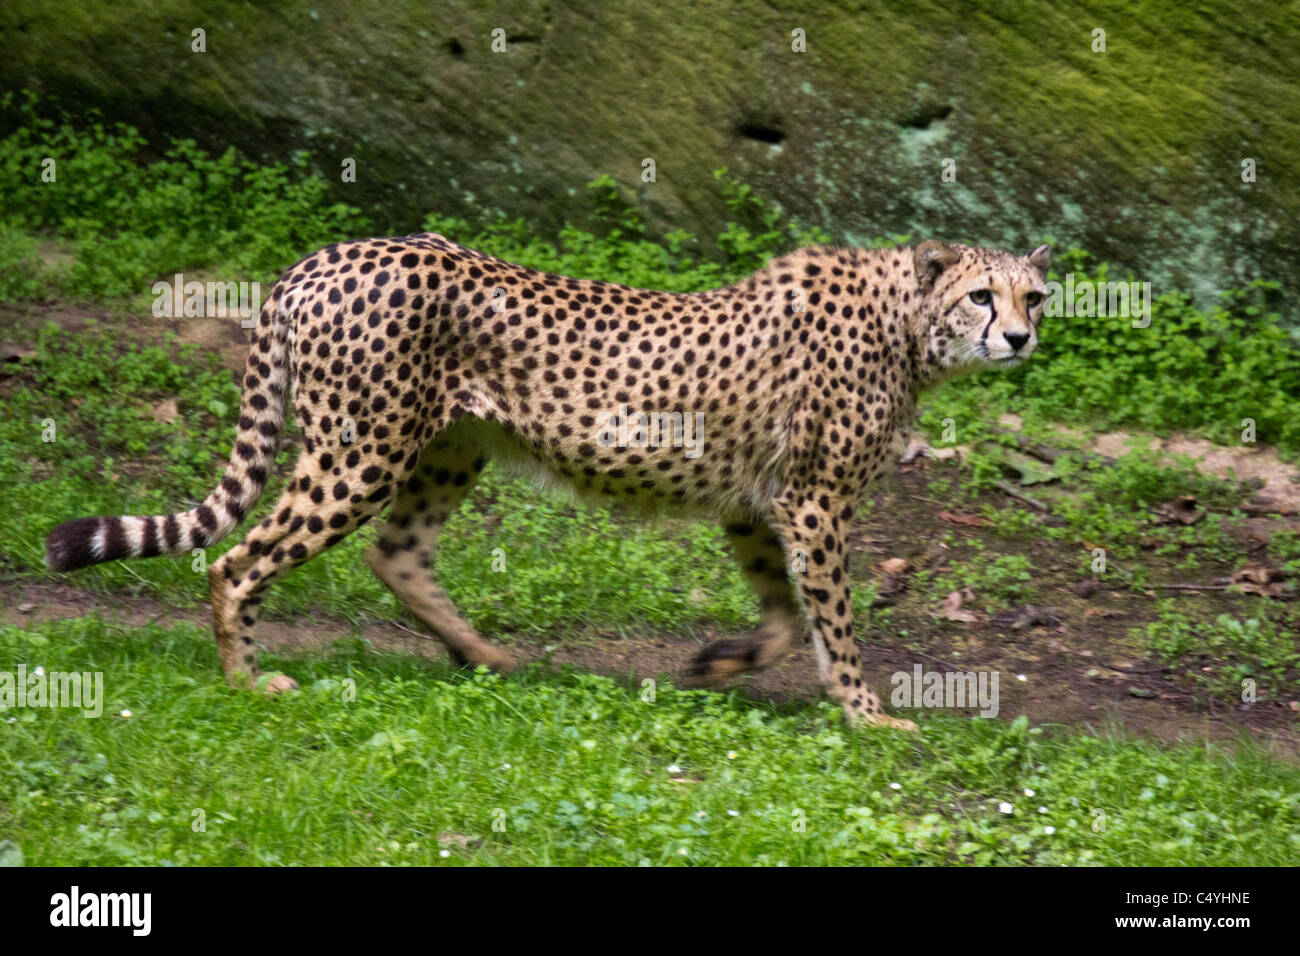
(128, 222)
(997, 582)
(1252, 654)
(379, 756)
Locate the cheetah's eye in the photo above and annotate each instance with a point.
(1033, 298)
(981, 296)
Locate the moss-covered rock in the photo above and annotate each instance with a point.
(1135, 153)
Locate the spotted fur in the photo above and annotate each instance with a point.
(434, 358)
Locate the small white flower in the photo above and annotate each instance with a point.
(126, 713)
(40, 671)
(1021, 677)
(505, 766)
(1005, 807)
(1049, 830)
(1042, 809)
(1028, 792)
(701, 814)
(444, 853)
(732, 755)
(681, 851)
(673, 768)
(895, 786)
(733, 813)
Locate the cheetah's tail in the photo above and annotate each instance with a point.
(85, 541)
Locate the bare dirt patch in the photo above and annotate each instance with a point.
(1280, 491)
(223, 337)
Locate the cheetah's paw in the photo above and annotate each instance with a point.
(884, 720)
(719, 662)
(273, 682)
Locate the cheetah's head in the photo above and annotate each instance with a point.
(983, 306)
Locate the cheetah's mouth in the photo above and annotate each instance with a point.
(1002, 361)
(999, 361)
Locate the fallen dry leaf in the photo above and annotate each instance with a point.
(1181, 510)
(892, 572)
(953, 610)
(1031, 615)
(956, 517)
(1263, 580)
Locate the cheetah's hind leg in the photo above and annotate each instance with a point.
(300, 527)
(403, 557)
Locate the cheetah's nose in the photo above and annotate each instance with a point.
(1016, 339)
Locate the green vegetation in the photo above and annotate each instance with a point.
(997, 583)
(1113, 506)
(1255, 650)
(128, 222)
(386, 760)
(1285, 547)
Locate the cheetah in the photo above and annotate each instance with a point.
(412, 361)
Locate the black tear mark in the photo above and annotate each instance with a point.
(922, 118)
(993, 317)
(761, 132)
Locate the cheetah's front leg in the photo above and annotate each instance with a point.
(762, 560)
(813, 526)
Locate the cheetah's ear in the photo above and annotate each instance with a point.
(930, 259)
(1041, 259)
